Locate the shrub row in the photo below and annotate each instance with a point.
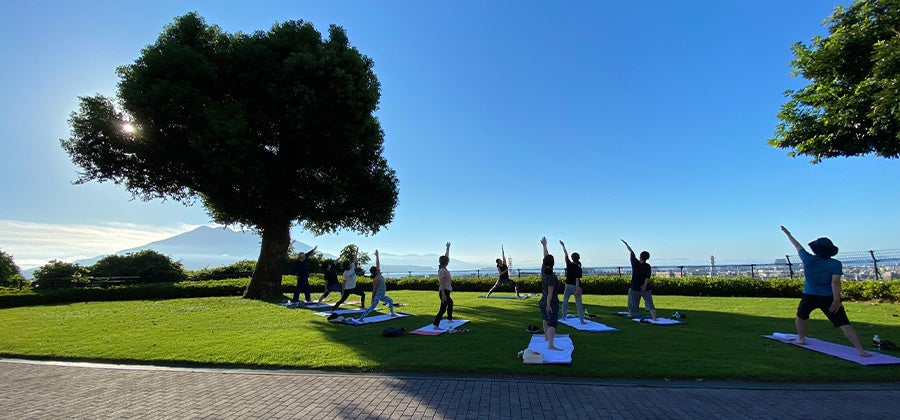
(868, 290)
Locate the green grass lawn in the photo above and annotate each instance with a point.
(721, 338)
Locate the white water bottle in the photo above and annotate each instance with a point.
(876, 341)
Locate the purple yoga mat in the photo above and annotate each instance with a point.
(836, 350)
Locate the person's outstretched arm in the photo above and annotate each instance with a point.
(503, 254)
(377, 262)
(544, 243)
(835, 292)
(376, 278)
(447, 253)
(566, 253)
(311, 251)
(627, 246)
(794, 242)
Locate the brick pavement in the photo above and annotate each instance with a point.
(36, 390)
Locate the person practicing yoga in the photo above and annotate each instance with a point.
(444, 289)
(349, 285)
(503, 270)
(822, 289)
(549, 302)
(640, 284)
(573, 284)
(379, 290)
(301, 269)
(331, 281)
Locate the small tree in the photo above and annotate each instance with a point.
(58, 274)
(266, 129)
(9, 271)
(347, 255)
(852, 105)
(149, 265)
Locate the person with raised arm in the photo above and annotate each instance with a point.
(349, 285)
(444, 289)
(301, 269)
(573, 284)
(640, 284)
(822, 289)
(503, 271)
(379, 290)
(549, 302)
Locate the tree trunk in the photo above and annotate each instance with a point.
(266, 281)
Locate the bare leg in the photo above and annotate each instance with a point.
(653, 314)
(801, 330)
(551, 333)
(851, 335)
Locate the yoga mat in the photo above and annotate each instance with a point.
(657, 321)
(375, 318)
(625, 314)
(837, 350)
(314, 305)
(590, 326)
(342, 312)
(539, 344)
(505, 297)
(443, 327)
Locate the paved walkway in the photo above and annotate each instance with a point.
(35, 390)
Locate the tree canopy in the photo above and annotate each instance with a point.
(266, 129)
(8, 268)
(852, 105)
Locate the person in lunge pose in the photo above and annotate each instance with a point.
(349, 285)
(640, 284)
(549, 302)
(822, 289)
(444, 289)
(331, 280)
(573, 284)
(503, 269)
(301, 269)
(379, 290)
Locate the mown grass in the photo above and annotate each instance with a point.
(721, 338)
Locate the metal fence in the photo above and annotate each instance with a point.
(858, 265)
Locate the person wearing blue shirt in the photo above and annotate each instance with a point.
(822, 289)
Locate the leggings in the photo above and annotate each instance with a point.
(570, 290)
(446, 305)
(380, 297)
(346, 293)
(302, 286)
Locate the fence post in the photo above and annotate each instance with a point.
(409, 273)
(478, 273)
(752, 276)
(620, 271)
(681, 267)
(874, 263)
(790, 266)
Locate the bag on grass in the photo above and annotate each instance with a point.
(532, 357)
(393, 332)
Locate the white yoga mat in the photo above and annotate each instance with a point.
(539, 344)
(589, 325)
(658, 321)
(443, 327)
(342, 312)
(375, 318)
(837, 350)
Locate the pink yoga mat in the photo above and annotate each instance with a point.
(836, 350)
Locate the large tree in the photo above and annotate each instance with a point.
(8, 268)
(267, 129)
(852, 105)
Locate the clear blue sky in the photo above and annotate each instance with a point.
(585, 121)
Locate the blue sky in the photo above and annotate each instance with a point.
(506, 121)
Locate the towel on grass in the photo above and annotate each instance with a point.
(589, 325)
(524, 296)
(375, 318)
(539, 344)
(837, 350)
(657, 321)
(443, 327)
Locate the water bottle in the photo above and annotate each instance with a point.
(876, 341)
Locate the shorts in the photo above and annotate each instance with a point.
(808, 303)
(552, 319)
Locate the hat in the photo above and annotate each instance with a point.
(823, 248)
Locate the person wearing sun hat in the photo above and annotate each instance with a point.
(822, 289)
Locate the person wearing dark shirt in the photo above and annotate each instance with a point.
(503, 270)
(331, 280)
(573, 284)
(822, 289)
(302, 271)
(640, 284)
(549, 302)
